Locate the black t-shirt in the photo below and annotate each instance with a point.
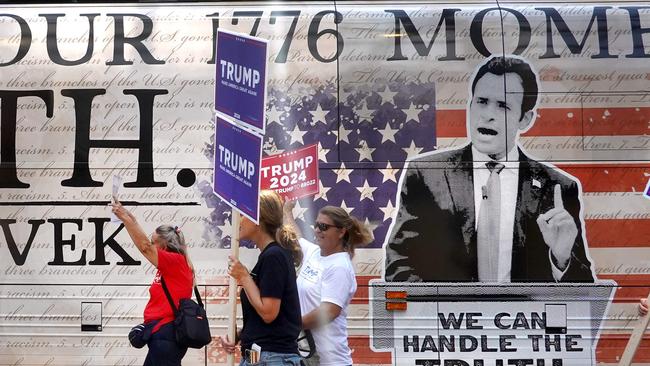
(275, 276)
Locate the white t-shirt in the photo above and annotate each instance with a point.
(329, 279)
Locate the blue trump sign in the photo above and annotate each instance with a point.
(240, 91)
(237, 157)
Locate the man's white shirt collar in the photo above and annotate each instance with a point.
(480, 159)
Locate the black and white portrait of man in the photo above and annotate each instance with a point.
(486, 211)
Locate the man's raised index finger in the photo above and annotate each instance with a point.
(557, 196)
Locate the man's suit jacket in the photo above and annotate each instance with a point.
(434, 238)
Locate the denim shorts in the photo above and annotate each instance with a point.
(274, 359)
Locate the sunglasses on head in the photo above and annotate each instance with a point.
(323, 226)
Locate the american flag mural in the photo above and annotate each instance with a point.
(372, 84)
(362, 144)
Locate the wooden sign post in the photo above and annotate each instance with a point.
(635, 339)
(232, 288)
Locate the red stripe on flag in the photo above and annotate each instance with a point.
(618, 177)
(362, 354)
(361, 296)
(610, 348)
(451, 123)
(562, 122)
(618, 233)
(631, 288)
(606, 121)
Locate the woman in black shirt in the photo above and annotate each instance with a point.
(269, 299)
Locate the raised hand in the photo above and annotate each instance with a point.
(558, 229)
(121, 212)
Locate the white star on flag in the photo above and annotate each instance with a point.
(388, 211)
(346, 208)
(412, 150)
(388, 134)
(273, 116)
(387, 95)
(318, 115)
(371, 226)
(343, 174)
(366, 191)
(322, 192)
(364, 113)
(369, 122)
(365, 152)
(298, 211)
(226, 229)
(389, 173)
(412, 113)
(322, 152)
(343, 134)
(297, 135)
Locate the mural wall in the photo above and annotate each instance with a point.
(91, 92)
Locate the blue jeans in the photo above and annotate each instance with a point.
(163, 349)
(274, 359)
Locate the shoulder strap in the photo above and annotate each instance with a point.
(169, 297)
(171, 301)
(198, 296)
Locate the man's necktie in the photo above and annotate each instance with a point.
(488, 226)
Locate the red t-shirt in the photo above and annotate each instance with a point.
(178, 278)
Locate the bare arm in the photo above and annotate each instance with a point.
(324, 314)
(288, 216)
(268, 308)
(139, 238)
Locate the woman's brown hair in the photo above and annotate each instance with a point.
(271, 216)
(356, 235)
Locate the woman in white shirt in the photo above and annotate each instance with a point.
(326, 281)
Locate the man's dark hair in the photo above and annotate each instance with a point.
(500, 65)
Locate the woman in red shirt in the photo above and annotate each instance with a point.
(166, 250)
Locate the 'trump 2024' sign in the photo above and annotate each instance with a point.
(292, 174)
